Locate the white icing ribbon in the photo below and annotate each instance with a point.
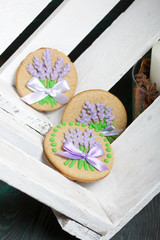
(40, 92)
(109, 131)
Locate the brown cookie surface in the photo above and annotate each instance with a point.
(24, 75)
(84, 139)
(74, 107)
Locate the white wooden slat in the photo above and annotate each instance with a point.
(50, 187)
(30, 142)
(15, 16)
(130, 36)
(134, 179)
(24, 138)
(141, 48)
(76, 229)
(10, 101)
(49, 35)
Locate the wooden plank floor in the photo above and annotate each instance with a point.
(22, 217)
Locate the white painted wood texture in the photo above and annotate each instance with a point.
(98, 62)
(75, 228)
(15, 16)
(134, 179)
(130, 36)
(72, 31)
(20, 168)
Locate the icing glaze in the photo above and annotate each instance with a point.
(84, 141)
(47, 74)
(97, 116)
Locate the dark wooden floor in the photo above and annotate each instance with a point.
(24, 218)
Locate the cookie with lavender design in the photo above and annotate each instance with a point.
(78, 152)
(46, 79)
(99, 110)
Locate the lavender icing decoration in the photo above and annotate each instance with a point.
(57, 68)
(76, 137)
(32, 70)
(94, 112)
(47, 59)
(45, 69)
(64, 71)
(38, 65)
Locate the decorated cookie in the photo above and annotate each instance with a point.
(78, 152)
(46, 79)
(98, 109)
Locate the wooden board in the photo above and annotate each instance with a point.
(98, 62)
(15, 16)
(33, 177)
(129, 37)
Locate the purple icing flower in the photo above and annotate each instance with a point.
(45, 69)
(32, 70)
(84, 117)
(77, 138)
(57, 68)
(64, 72)
(91, 113)
(38, 65)
(47, 62)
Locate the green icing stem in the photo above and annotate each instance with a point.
(81, 147)
(72, 163)
(80, 163)
(85, 165)
(47, 84)
(98, 126)
(48, 99)
(91, 167)
(109, 139)
(66, 162)
(114, 137)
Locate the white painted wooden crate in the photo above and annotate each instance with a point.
(95, 210)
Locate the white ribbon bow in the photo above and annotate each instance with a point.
(109, 131)
(40, 92)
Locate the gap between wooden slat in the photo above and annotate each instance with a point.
(15, 16)
(116, 11)
(119, 47)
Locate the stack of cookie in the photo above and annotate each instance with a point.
(80, 146)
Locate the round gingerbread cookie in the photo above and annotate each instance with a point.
(46, 79)
(78, 152)
(98, 109)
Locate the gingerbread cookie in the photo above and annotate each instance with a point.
(46, 79)
(78, 152)
(98, 109)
